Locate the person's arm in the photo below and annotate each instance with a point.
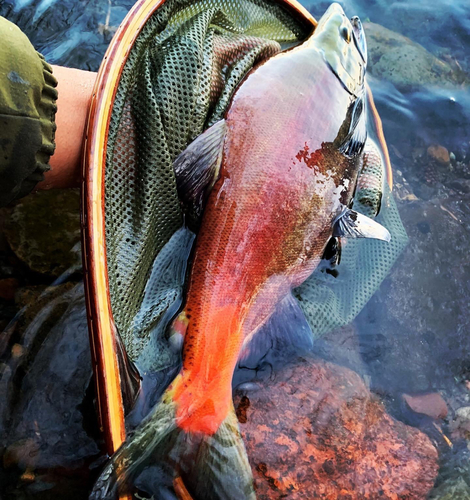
(75, 89)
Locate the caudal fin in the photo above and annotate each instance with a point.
(212, 467)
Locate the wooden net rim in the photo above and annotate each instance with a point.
(99, 314)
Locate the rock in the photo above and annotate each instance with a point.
(49, 370)
(43, 230)
(453, 482)
(432, 405)
(21, 452)
(414, 331)
(410, 197)
(341, 347)
(401, 188)
(316, 432)
(49, 432)
(32, 300)
(405, 63)
(439, 153)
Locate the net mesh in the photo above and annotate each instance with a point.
(177, 81)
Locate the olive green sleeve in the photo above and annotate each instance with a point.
(27, 114)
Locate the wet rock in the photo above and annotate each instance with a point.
(341, 346)
(316, 432)
(44, 422)
(43, 230)
(401, 188)
(460, 426)
(453, 482)
(439, 154)
(405, 63)
(432, 405)
(32, 300)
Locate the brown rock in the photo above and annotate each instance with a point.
(318, 433)
(25, 450)
(439, 153)
(8, 288)
(432, 405)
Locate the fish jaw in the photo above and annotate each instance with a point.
(336, 38)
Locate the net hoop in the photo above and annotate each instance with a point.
(101, 325)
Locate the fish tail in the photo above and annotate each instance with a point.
(213, 467)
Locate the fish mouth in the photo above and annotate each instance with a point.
(343, 45)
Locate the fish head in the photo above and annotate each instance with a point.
(342, 43)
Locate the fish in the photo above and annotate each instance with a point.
(270, 185)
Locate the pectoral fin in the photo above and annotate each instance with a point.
(197, 168)
(352, 224)
(356, 137)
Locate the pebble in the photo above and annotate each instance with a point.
(439, 153)
(460, 427)
(432, 404)
(410, 197)
(43, 230)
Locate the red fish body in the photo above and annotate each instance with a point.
(267, 220)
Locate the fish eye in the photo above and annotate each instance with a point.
(346, 33)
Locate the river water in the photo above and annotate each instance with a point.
(412, 338)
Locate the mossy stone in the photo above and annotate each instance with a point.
(43, 230)
(407, 64)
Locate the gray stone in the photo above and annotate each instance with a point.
(452, 489)
(405, 63)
